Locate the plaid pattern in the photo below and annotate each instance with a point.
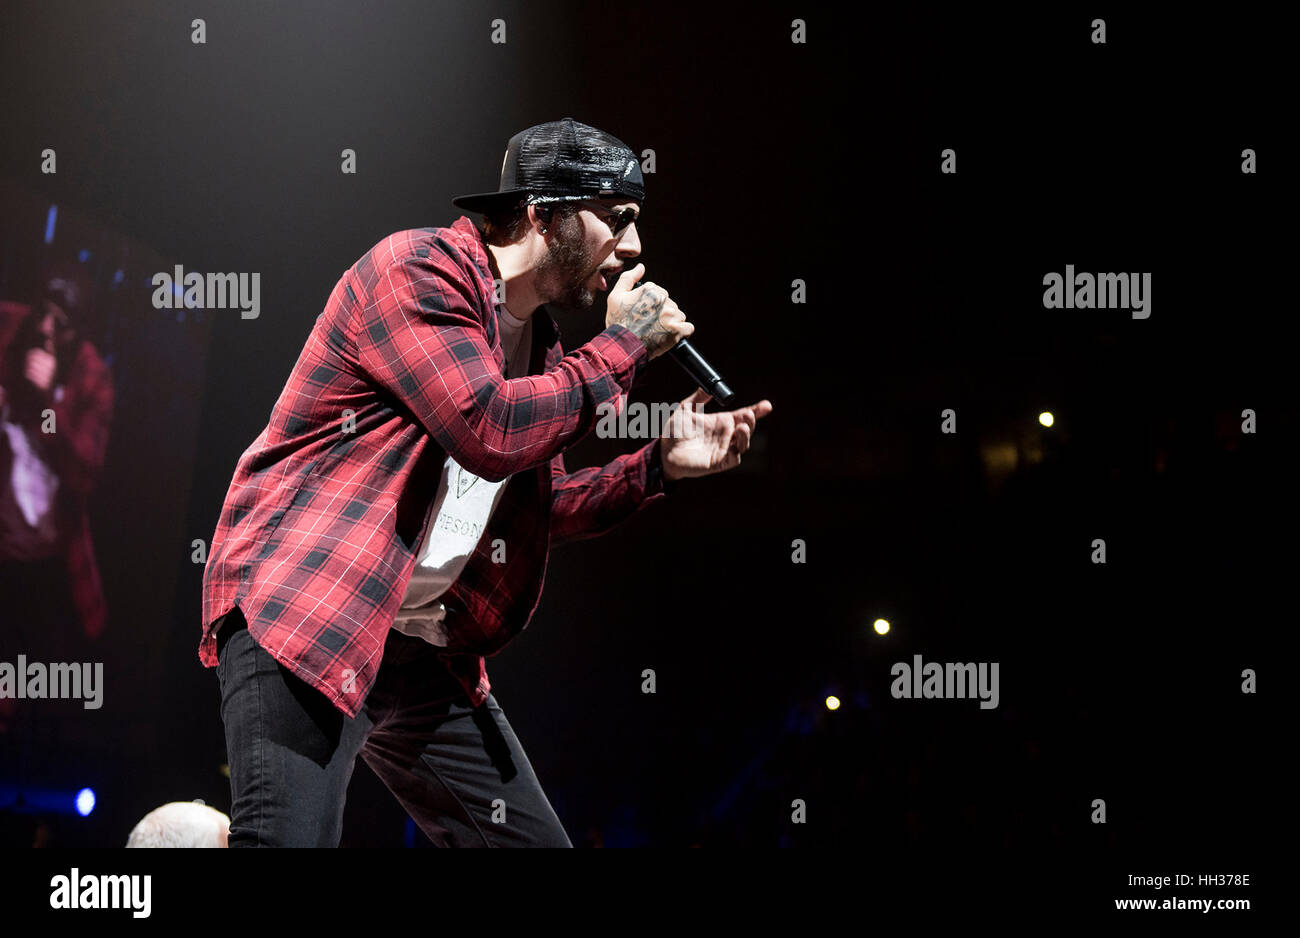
(316, 540)
(76, 452)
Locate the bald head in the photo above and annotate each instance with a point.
(181, 824)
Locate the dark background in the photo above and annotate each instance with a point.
(774, 162)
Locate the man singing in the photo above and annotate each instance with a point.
(389, 528)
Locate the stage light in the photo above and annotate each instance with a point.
(881, 626)
(46, 800)
(832, 702)
(51, 220)
(1046, 418)
(85, 802)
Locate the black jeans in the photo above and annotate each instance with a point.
(458, 770)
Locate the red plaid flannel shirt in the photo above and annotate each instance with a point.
(316, 540)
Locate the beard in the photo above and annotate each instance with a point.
(563, 272)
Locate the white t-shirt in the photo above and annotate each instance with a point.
(458, 516)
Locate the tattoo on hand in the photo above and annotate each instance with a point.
(641, 316)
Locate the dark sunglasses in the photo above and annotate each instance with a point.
(616, 221)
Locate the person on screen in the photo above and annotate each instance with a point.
(56, 407)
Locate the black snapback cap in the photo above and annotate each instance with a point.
(561, 161)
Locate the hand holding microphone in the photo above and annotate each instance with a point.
(649, 312)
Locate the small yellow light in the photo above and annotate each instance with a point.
(881, 626)
(1046, 418)
(832, 703)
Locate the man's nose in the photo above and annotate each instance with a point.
(629, 245)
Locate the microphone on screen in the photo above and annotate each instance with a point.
(701, 372)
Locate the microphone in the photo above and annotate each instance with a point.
(701, 372)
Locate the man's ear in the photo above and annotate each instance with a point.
(541, 215)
